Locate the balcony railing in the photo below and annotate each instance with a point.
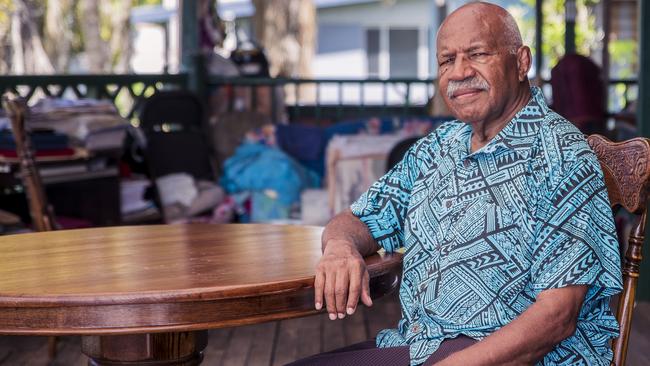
(332, 98)
(315, 99)
(126, 91)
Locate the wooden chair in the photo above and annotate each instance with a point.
(626, 166)
(40, 211)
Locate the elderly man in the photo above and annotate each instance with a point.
(510, 249)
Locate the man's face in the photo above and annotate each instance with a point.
(478, 75)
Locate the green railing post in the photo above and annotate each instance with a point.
(570, 13)
(192, 61)
(407, 99)
(274, 103)
(362, 103)
(339, 109)
(317, 110)
(643, 123)
(198, 76)
(296, 93)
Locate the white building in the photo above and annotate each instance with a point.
(372, 38)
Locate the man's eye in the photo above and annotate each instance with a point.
(446, 61)
(476, 55)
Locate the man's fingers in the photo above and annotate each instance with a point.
(341, 292)
(330, 299)
(365, 289)
(319, 283)
(355, 290)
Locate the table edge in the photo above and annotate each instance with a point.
(377, 264)
(195, 314)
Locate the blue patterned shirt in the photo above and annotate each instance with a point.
(485, 232)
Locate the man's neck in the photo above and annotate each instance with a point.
(484, 131)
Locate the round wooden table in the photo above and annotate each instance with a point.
(145, 295)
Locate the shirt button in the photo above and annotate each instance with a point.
(466, 163)
(415, 328)
(448, 203)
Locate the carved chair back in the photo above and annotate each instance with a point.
(626, 166)
(39, 210)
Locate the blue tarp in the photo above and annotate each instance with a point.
(257, 167)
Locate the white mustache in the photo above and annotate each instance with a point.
(470, 83)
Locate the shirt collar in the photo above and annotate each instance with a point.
(518, 134)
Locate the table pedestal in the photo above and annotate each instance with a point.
(152, 349)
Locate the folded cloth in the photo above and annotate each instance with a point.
(182, 197)
(41, 140)
(7, 218)
(176, 188)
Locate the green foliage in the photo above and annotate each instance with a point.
(6, 6)
(146, 2)
(623, 53)
(553, 29)
(623, 57)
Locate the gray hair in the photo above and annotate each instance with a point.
(511, 36)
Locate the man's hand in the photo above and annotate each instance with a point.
(341, 277)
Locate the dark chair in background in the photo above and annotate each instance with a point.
(173, 124)
(626, 166)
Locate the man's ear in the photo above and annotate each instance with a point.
(523, 62)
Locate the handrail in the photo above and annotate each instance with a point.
(214, 79)
(88, 78)
(400, 101)
(345, 94)
(101, 86)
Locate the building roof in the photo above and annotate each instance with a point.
(234, 8)
(151, 14)
(244, 8)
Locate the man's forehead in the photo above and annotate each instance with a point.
(465, 43)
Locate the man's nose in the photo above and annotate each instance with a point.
(461, 69)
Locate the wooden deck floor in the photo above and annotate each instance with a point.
(277, 343)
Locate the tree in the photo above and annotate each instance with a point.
(28, 54)
(287, 31)
(553, 28)
(59, 32)
(94, 45)
(45, 36)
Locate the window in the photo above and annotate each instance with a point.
(372, 52)
(403, 51)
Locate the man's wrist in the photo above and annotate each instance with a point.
(340, 246)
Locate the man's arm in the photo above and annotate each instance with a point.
(532, 335)
(341, 274)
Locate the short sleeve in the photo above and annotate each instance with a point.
(576, 240)
(383, 206)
